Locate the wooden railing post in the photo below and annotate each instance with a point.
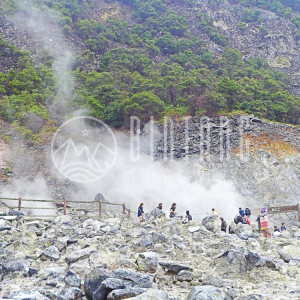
(65, 206)
(124, 208)
(20, 204)
(129, 213)
(100, 210)
(298, 212)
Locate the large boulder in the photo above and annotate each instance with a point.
(237, 261)
(212, 223)
(72, 279)
(27, 295)
(208, 292)
(70, 294)
(174, 267)
(289, 252)
(254, 260)
(141, 280)
(244, 231)
(80, 254)
(156, 213)
(185, 275)
(94, 280)
(148, 262)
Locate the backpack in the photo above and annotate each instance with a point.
(248, 212)
(190, 218)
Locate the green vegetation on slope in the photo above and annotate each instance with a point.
(154, 66)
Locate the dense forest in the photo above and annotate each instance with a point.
(152, 66)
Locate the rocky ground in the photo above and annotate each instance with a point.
(77, 257)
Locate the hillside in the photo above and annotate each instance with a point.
(122, 58)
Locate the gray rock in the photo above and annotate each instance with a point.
(28, 295)
(146, 240)
(212, 223)
(72, 279)
(70, 294)
(289, 252)
(141, 280)
(15, 266)
(208, 292)
(253, 297)
(114, 284)
(212, 280)
(194, 229)
(80, 254)
(159, 238)
(185, 275)
(174, 267)
(125, 293)
(237, 260)
(94, 280)
(254, 260)
(152, 295)
(147, 262)
(50, 253)
(156, 213)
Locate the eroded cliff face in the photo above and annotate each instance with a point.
(261, 158)
(271, 37)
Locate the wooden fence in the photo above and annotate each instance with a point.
(97, 206)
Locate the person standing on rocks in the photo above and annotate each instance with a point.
(248, 213)
(264, 222)
(173, 211)
(241, 212)
(223, 225)
(258, 223)
(141, 211)
(214, 211)
(159, 206)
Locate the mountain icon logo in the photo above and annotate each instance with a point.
(84, 149)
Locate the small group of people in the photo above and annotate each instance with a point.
(242, 217)
(280, 229)
(173, 212)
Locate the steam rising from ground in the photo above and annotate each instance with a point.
(151, 182)
(43, 26)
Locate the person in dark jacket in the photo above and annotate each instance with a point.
(187, 218)
(159, 206)
(258, 223)
(282, 228)
(141, 211)
(223, 225)
(241, 212)
(173, 211)
(248, 213)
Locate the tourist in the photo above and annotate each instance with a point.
(223, 225)
(214, 211)
(264, 222)
(282, 228)
(241, 212)
(248, 213)
(173, 212)
(159, 206)
(187, 218)
(141, 211)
